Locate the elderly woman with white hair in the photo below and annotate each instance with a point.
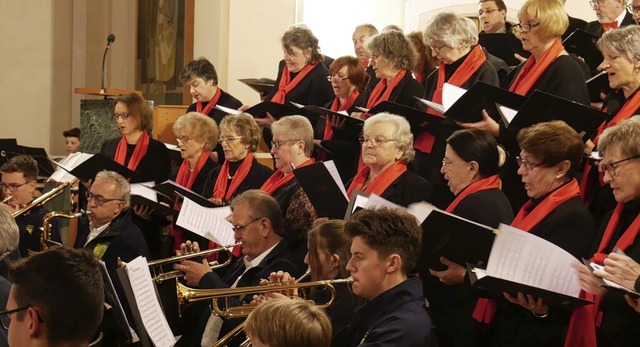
(387, 148)
(462, 62)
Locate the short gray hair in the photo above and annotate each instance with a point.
(261, 204)
(622, 41)
(394, 46)
(9, 233)
(123, 189)
(625, 135)
(202, 128)
(297, 128)
(451, 29)
(372, 29)
(402, 129)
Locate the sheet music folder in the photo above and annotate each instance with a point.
(88, 169)
(610, 284)
(325, 111)
(544, 107)
(323, 192)
(45, 168)
(157, 207)
(276, 110)
(503, 46)
(496, 286)
(454, 238)
(260, 85)
(583, 44)
(415, 117)
(172, 191)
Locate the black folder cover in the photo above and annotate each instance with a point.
(325, 111)
(260, 85)
(45, 168)
(544, 107)
(88, 169)
(456, 239)
(598, 84)
(415, 117)
(503, 46)
(322, 190)
(171, 190)
(276, 110)
(157, 207)
(623, 290)
(583, 44)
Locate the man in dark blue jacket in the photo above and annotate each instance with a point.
(386, 246)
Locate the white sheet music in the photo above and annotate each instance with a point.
(147, 302)
(507, 114)
(333, 171)
(433, 105)
(69, 163)
(208, 222)
(143, 190)
(376, 201)
(525, 258)
(227, 110)
(451, 94)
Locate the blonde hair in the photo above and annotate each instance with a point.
(296, 128)
(550, 14)
(202, 128)
(244, 125)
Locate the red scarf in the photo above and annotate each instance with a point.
(212, 103)
(425, 140)
(336, 107)
(532, 70)
(138, 153)
(380, 183)
(628, 110)
(382, 92)
(587, 318)
(491, 182)
(286, 84)
(278, 179)
(419, 77)
(526, 220)
(186, 178)
(222, 182)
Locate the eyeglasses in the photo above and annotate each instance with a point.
(183, 139)
(487, 11)
(435, 48)
(611, 167)
(124, 116)
(278, 144)
(336, 78)
(634, 9)
(374, 57)
(240, 228)
(528, 165)
(524, 27)
(12, 187)
(5, 317)
(596, 2)
(99, 199)
(448, 164)
(374, 141)
(229, 139)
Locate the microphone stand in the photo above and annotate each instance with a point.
(110, 40)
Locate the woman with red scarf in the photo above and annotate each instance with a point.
(336, 139)
(386, 151)
(550, 155)
(616, 323)
(147, 157)
(621, 51)
(291, 148)
(471, 164)
(302, 78)
(462, 63)
(197, 134)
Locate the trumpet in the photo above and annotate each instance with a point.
(6, 199)
(43, 199)
(45, 237)
(159, 275)
(188, 295)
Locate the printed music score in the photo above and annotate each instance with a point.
(208, 222)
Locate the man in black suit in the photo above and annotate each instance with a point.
(362, 33)
(257, 221)
(492, 14)
(611, 14)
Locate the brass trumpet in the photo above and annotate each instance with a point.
(159, 275)
(43, 199)
(45, 237)
(188, 295)
(6, 199)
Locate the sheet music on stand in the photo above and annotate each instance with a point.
(208, 222)
(147, 304)
(113, 302)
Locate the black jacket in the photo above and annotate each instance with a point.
(397, 317)
(407, 189)
(595, 27)
(154, 166)
(258, 174)
(406, 91)
(314, 89)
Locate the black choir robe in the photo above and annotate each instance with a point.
(258, 174)
(407, 189)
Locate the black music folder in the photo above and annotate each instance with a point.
(157, 207)
(322, 184)
(597, 85)
(455, 238)
(583, 44)
(497, 286)
(173, 191)
(610, 284)
(482, 96)
(325, 111)
(261, 85)
(544, 107)
(45, 168)
(88, 169)
(276, 110)
(503, 46)
(415, 117)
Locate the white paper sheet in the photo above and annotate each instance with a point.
(147, 302)
(227, 110)
(208, 222)
(506, 113)
(525, 258)
(451, 94)
(333, 170)
(69, 163)
(143, 190)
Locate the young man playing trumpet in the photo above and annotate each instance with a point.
(19, 177)
(385, 248)
(258, 222)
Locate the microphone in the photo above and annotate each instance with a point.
(110, 40)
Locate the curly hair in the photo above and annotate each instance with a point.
(394, 46)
